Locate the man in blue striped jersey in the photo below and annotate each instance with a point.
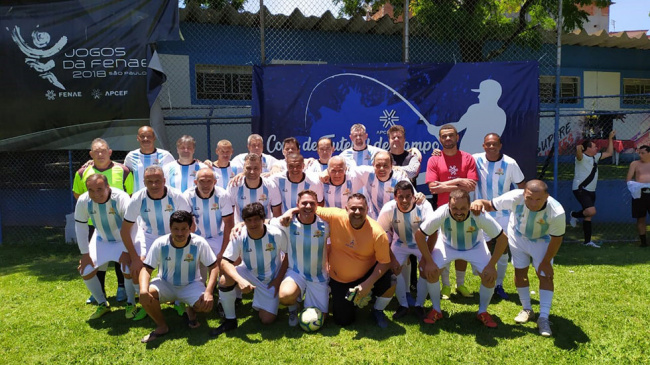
(177, 256)
(106, 206)
(255, 145)
(138, 160)
(222, 167)
(255, 188)
(460, 237)
(307, 252)
(181, 173)
(497, 174)
(295, 180)
(342, 183)
(324, 150)
(535, 232)
(360, 154)
(260, 268)
(401, 218)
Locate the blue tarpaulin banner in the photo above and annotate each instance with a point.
(311, 101)
(68, 63)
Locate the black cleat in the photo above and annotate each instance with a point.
(227, 325)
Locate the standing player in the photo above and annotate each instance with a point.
(255, 145)
(361, 154)
(222, 167)
(290, 146)
(453, 169)
(180, 174)
(406, 160)
(295, 181)
(535, 231)
(107, 206)
(177, 256)
(342, 183)
(138, 160)
(258, 246)
(496, 175)
(254, 188)
(307, 253)
(324, 150)
(401, 218)
(638, 182)
(584, 183)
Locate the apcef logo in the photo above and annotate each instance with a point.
(38, 57)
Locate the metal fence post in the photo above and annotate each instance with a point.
(556, 134)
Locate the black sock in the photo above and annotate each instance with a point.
(101, 275)
(643, 241)
(578, 215)
(120, 276)
(586, 229)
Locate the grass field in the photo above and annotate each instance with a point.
(599, 315)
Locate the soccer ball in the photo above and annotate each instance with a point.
(310, 319)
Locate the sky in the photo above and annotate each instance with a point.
(629, 15)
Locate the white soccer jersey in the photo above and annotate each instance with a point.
(137, 161)
(360, 158)
(289, 190)
(107, 217)
(260, 256)
(316, 167)
(460, 236)
(154, 213)
(209, 213)
(179, 266)
(583, 170)
(379, 192)
(496, 178)
(181, 176)
(267, 194)
(267, 162)
(337, 195)
(403, 225)
(540, 225)
(224, 174)
(307, 245)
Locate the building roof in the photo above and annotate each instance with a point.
(386, 26)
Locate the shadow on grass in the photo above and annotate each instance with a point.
(620, 254)
(49, 262)
(465, 323)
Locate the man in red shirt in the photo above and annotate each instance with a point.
(451, 170)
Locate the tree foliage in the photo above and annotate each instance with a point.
(218, 4)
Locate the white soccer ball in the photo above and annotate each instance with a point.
(311, 319)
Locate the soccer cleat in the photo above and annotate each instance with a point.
(544, 326)
(591, 244)
(293, 318)
(498, 290)
(380, 317)
(131, 311)
(524, 316)
(573, 221)
(445, 292)
(400, 312)
(418, 312)
(432, 317)
(91, 300)
(462, 290)
(227, 325)
(487, 320)
(140, 315)
(179, 308)
(120, 296)
(102, 309)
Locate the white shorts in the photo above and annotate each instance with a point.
(263, 297)
(403, 252)
(215, 244)
(479, 256)
(102, 252)
(503, 222)
(188, 294)
(143, 242)
(523, 250)
(316, 293)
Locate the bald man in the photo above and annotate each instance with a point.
(145, 156)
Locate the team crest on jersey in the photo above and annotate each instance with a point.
(318, 233)
(155, 162)
(390, 189)
(417, 220)
(542, 222)
(263, 197)
(367, 158)
(189, 257)
(111, 211)
(169, 208)
(499, 172)
(471, 229)
(350, 244)
(346, 192)
(215, 206)
(269, 247)
(193, 173)
(397, 221)
(453, 170)
(92, 212)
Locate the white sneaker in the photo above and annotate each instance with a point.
(591, 244)
(293, 318)
(524, 316)
(544, 326)
(573, 221)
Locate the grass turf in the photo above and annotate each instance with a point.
(599, 315)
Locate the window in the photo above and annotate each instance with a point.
(569, 88)
(224, 82)
(636, 86)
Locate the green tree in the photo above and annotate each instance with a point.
(471, 23)
(218, 4)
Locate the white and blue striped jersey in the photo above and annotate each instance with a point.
(181, 176)
(179, 266)
(360, 158)
(107, 216)
(260, 256)
(266, 194)
(306, 249)
(378, 192)
(209, 213)
(137, 161)
(224, 174)
(289, 190)
(540, 225)
(496, 178)
(461, 236)
(401, 226)
(154, 213)
(267, 162)
(315, 167)
(336, 196)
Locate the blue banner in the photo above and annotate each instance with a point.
(68, 63)
(311, 101)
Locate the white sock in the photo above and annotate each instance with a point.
(422, 293)
(406, 273)
(95, 288)
(227, 299)
(524, 297)
(434, 293)
(130, 290)
(400, 290)
(460, 278)
(136, 288)
(545, 299)
(238, 292)
(485, 295)
(502, 267)
(381, 303)
(444, 276)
